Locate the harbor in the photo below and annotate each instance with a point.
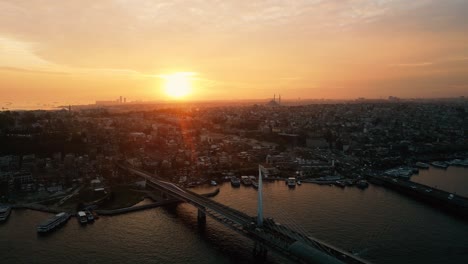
(372, 217)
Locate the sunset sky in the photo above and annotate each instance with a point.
(82, 51)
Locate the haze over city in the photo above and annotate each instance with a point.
(77, 52)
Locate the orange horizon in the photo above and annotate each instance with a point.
(86, 51)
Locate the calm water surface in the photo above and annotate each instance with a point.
(383, 226)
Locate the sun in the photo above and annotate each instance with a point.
(177, 85)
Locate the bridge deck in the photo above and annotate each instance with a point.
(279, 238)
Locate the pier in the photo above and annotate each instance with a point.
(449, 202)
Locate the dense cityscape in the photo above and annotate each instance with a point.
(49, 155)
(267, 131)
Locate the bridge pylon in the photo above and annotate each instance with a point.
(260, 199)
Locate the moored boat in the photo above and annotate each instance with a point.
(439, 164)
(89, 216)
(255, 184)
(362, 184)
(213, 183)
(291, 182)
(53, 222)
(235, 182)
(341, 183)
(5, 211)
(422, 165)
(82, 217)
(246, 180)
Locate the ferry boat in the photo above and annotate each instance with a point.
(246, 180)
(4, 212)
(235, 182)
(213, 183)
(52, 223)
(89, 216)
(291, 182)
(82, 217)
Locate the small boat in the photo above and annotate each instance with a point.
(439, 164)
(422, 165)
(362, 184)
(82, 217)
(291, 182)
(299, 183)
(52, 223)
(341, 184)
(89, 216)
(246, 180)
(4, 213)
(213, 183)
(235, 182)
(255, 184)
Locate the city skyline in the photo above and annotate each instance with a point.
(79, 52)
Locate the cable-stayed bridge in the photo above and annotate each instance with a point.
(266, 234)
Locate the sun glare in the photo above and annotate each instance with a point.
(178, 85)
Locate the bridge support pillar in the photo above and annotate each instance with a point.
(260, 252)
(201, 217)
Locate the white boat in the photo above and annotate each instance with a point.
(291, 182)
(213, 183)
(5, 211)
(52, 223)
(299, 182)
(82, 217)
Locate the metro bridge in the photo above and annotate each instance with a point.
(266, 234)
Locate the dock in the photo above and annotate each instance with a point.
(449, 202)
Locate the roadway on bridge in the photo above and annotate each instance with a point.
(276, 237)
